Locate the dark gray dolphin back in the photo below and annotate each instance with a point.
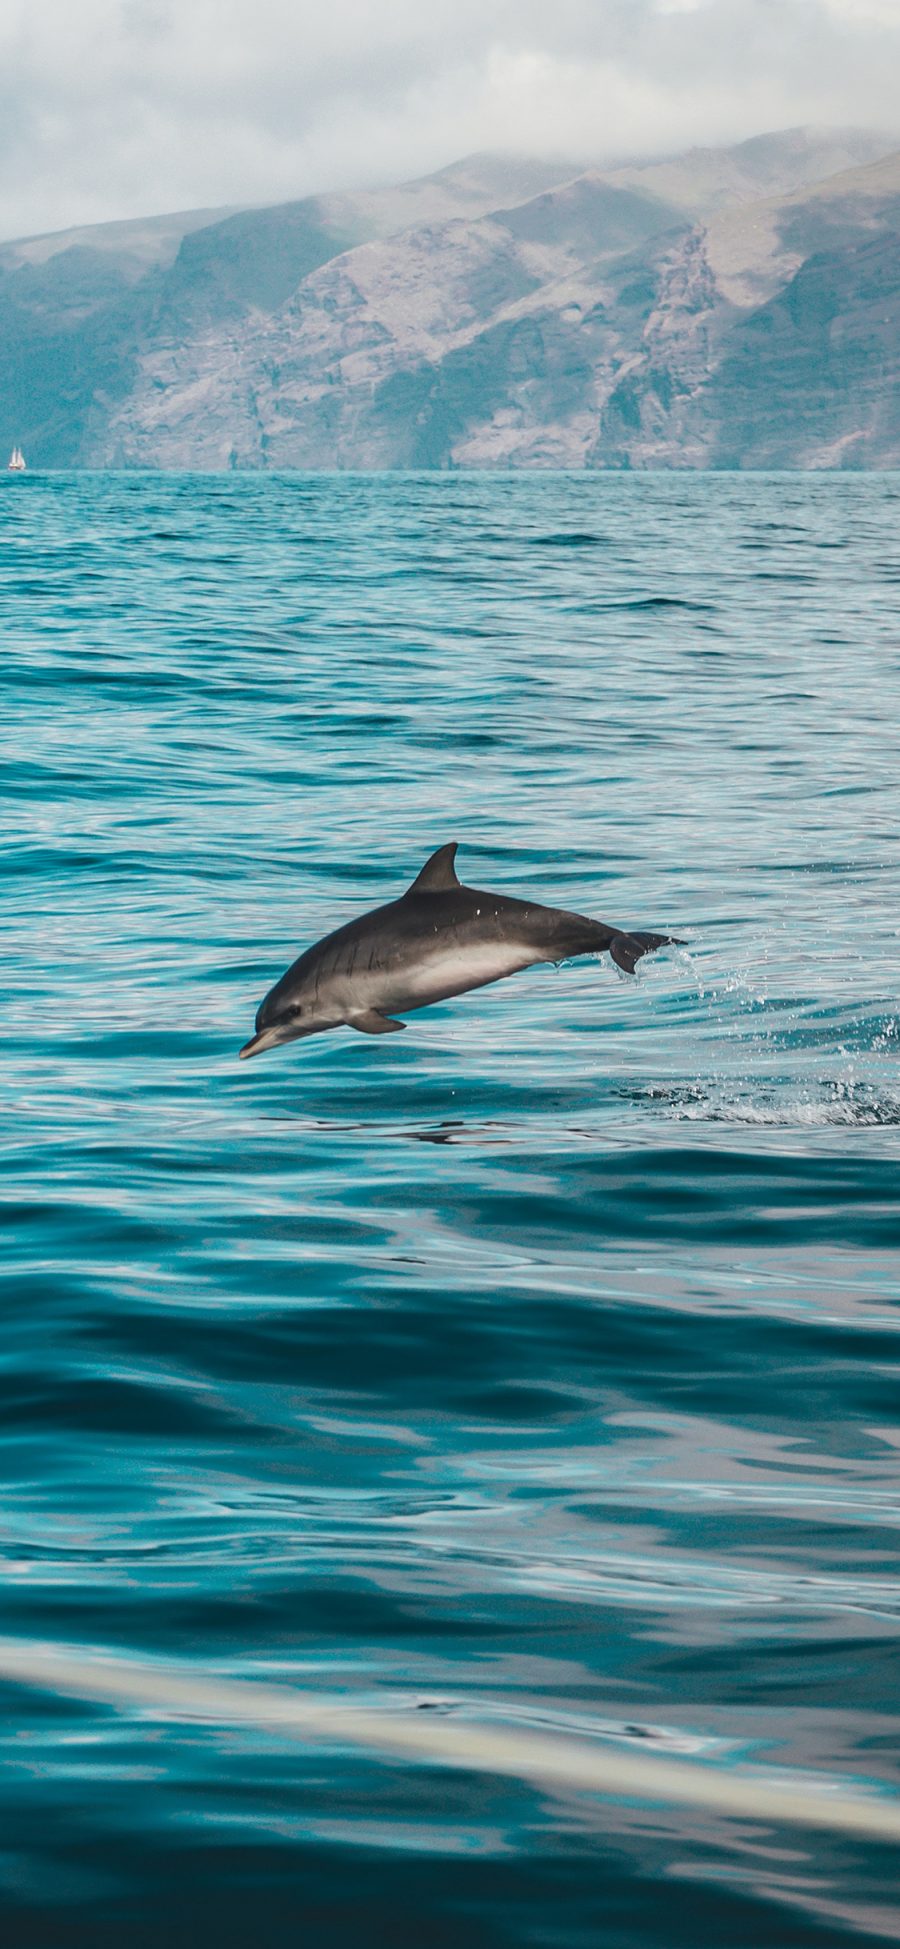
(439, 875)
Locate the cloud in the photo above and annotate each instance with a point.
(119, 107)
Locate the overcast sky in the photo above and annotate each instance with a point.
(113, 108)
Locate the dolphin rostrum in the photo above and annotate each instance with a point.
(439, 939)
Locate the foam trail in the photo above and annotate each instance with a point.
(544, 1759)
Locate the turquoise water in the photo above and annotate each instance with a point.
(533, 1371)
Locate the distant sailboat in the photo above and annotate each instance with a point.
(16, 464)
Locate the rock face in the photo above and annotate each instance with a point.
(727, 308)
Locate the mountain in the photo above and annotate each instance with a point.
(773, 339)
(734, 307)
(705, 180)
(79, 308)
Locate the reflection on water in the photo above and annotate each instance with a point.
(529, 1377)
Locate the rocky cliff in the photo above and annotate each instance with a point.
(724, 308)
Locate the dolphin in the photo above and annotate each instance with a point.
(439, 939)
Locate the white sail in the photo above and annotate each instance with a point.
(16, 463)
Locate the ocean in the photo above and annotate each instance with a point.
(386, 1415)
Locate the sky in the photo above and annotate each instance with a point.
(119, 108)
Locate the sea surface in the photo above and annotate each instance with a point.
(531, 1378)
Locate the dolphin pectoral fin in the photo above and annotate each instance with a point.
(626, 949)
(373, 1023)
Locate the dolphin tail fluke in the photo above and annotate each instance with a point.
(372, 1023)
(627, 949)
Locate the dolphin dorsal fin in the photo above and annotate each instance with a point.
(438, 874)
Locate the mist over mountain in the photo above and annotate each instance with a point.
(734, 307)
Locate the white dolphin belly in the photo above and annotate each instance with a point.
(451, 970)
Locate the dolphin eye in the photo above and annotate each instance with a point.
(296, 1009)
